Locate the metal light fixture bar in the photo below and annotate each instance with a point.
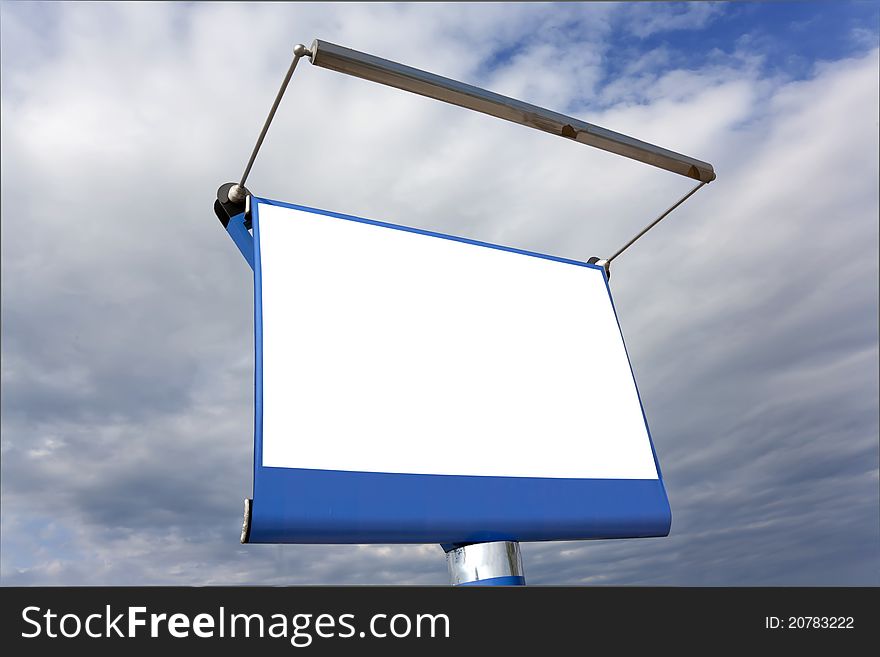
(344, 60)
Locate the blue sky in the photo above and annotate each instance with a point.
(750, 314)
(788, 36)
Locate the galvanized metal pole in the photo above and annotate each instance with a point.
(498, 563)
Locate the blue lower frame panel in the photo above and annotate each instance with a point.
(327, 506)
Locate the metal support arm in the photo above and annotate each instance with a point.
(231, 197)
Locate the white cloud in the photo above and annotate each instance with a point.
(127, 349)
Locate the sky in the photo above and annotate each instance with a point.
(750, 314)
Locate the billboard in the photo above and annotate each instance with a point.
(415, 387)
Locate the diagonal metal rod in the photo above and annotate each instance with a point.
(299, 51)
(654, 223)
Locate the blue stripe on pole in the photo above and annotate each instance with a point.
(505, 580)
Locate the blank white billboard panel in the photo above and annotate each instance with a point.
(390, 350)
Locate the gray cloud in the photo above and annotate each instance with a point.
(750, 314)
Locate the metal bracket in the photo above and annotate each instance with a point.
(236, 220)
(604, 264)
(225, 208)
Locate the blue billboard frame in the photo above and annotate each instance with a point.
(293, 505)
